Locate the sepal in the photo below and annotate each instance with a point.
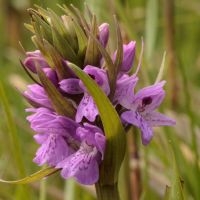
(62, 105)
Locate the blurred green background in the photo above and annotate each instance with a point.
(166, 26)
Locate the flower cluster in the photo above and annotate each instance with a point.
(75, 142)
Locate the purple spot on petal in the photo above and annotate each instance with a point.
(92, 76)
(146, 101)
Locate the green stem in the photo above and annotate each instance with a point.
(14, 140)
(12, 131)
(43, 184)
(124, 177)
(70, 188)
(136, 173)
(107, 192)
(189, 111)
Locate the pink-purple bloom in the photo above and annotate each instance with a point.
(76, 144)
(141, 111)
(35, 59)
(84, 163)
(76, 149)
(86, 107)
(36, 96)
(104, 34)
(128, 56)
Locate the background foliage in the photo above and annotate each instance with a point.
(167, 25)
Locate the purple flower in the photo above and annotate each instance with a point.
(104, 34)
(142, 112)
(35, 59)
(124, 92)
(100, 77)
(76, 145)
(84, 163)
(36, 96)
(71, 86)
(56, 135)
(87, 107)
(77, 150)
(128, 56)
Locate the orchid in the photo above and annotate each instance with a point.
(84, 163)
(76, 149)
(142, 112)
(128, 56)
(73, 72)
(36, 96)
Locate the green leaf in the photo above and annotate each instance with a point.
(29, 27)
(88, 12)
(82, 38)
(119, 56)
(70, 13)
(92, 55)
(78, 26)
(56, 60)
(40, 45)
(109, 63)
(61, 104)
(44, 28)
(12, 132)
(118, 60)
(80, 16)
(57, 23)
(113, 129)
(151, 27)
(161, 70)
(33, 177)
(175, 192)
(63, 46)
(71, 36)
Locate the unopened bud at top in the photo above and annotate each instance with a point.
(104, 34)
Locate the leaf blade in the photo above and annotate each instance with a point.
(33, 177)
(114, 131)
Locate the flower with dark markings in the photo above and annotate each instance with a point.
(77, 149)
(141, 111)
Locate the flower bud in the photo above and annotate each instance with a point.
(34, 59)
(128, 56)
(104, 34)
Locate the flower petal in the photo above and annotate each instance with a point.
(155, 93)
(100, 143)
(124, 93)
(40, 138)
(36, 95)
(92, 135)
(34, 59)
(71, 86)
(51, 74)
(146, 131)
(128, 56)
(129, 53)
(99, 75)
(52, 151)
(82, 165)
(43, 121)
(131, 117)
(35, 53)
(87, 109)
(158, 119)
(104, 34)
(136, 119)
